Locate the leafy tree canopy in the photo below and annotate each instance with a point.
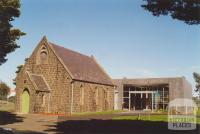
(183, 10)
(4, 90)
(9, 10)
(12, 99)
(18, 70)
(197, 80)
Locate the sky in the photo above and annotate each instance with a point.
(124, 38)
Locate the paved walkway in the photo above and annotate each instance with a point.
(33, 123)
(42, 123)
(39, 124)
(87, 124)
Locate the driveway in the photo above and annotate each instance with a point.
(88, 124)
(37, 123)
(29, 123)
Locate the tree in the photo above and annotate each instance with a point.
(9, 9)
(197, 80)
(18, 70)
(183, 10)
(4, 90)
(12, 99)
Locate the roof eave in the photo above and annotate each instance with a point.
(100, 83)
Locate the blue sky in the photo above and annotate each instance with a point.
(125, 39)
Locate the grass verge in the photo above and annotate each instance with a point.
(144, 117)
(97, 113)
(6, 106)
(160, 118)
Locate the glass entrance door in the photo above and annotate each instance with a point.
(141, 100)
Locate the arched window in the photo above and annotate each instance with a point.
(82, 95)
(107, 94)
(43, 99)
(96, 96)
(42, 57)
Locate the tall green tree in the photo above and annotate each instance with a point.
(197, 80)
(4, 90)
(183, 10)
(9, 10)
(18, 70)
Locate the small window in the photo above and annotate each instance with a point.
(42, 56)
(97, 96)
(43, 100)
(82, 97)
(105, 95)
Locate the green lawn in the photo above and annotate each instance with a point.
(6, 106)
(162, 118)
(198, 111)
(143, 117)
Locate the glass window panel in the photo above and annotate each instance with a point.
(126, 103)
(126, 89)
(126, 94)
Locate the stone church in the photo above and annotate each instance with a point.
(60, 81)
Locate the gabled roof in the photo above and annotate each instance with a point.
(39, 82)
(81, 67)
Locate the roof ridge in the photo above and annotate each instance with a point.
(79, 66)
(178, 77)
(70, 50)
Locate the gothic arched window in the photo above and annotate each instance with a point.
(82, 95)
(42, 56)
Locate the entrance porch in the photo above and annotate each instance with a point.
(150, 98)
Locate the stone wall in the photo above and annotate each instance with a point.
(87, 97)
(58, 99)
(24, 83)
